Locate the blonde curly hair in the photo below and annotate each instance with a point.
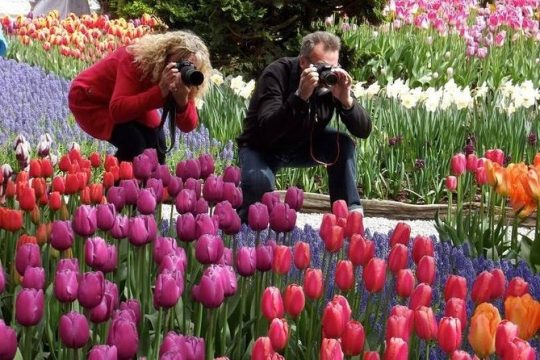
(152, 51)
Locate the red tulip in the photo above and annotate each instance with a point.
(371, 355)
(27, 199)
(333, 238)
(456, 286)
(8, 341)
(407, 313)
(29, 307)
(272, 304)
(328, 220)
(506, 332)
(331, 350)
(449, 335)
(294, 300)
(55, 201)
(302, 255)
(421, 296)
(456, 307)
(451, 183)
(333, 320)
(482, 287)
(339, 209)
(422, 245)
(405, 283)
(313, 283)
(355, 224)
(374, 275)
(519, 349)
(458, 164)
(401, 234)
(12, 220)
(344, 275)
(460, 355)
(282, 260)
(360, 250)
(398, 257)
(472, 163)
(396, 349)
(425, 323)
(278, 332)
(425, 271)
(74, 330)
(262, 349)
(495, 155)
(352, 338)
(517, 287)
(397, 326)
(498, 284)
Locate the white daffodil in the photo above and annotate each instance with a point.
(216, 78)
(237, 84)
(373, 89)
(247, 90)
(463, 99)
(359, 90)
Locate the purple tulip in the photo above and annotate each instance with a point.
(176, 260)
(120, 227)
(225, 213)
(233, 194)
(103, 352)
(131, 190)
(228, 277)
(246, 261)
(209, 291)
(207, 165)
(8, 341)
(123, 334)
(175, 185)
(105, 216)
(195, 185)
(157, 186)
(265, 257)
(29, 307)
(258, 218)
(163, 246)
(66, 285)
(112, 260)
(95, 252)
(27, 255)
(185, 201)
(294, 197)
(134, 306)
(205, 224)
(168, 289)
(116, 195)
(282, 218)
(193, 348)
(142, 167)
(103, 311)
(185, 227)
(209, 249)
(172, 342)
(151, 153)
(2, 280)
(201, 207)
(142, 230)
(71, 264)
(232, 174)
(162, 173)
(190, 168)
(61, 235)
(84, 220)
(73, 330)
(146, 201)
(226, 258)
(213, 189)
(34, 278)
(91, 289)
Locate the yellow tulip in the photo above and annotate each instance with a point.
(483, 328)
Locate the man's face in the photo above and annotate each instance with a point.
(319, 56)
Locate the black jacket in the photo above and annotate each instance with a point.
(278, 120)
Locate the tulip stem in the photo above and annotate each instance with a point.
(199, 320)
(27, 343)
(210, 335)
(158, 332)
(427, 350)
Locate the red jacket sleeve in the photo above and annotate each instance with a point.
(131, 97)
(189, 119)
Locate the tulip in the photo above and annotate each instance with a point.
(84, 221)
(246, 260)
(116, 195)
(405, 283)
(210, 290)
(55, 201)
(13, 220)
(232, 174)
(397, 326)
(371, 355)
(172, 343)
(294, 300)
(201, 207)
(103, 311)
(425, 323)
(456, 286)
(407, 313)
(374, 275)
(95, 252)
(294, 197)
(278, 332)
(331, 350)
(213, 189)
(505, 333)
(495, 155)
(425, 271)
(272, 303)
(352, 338)
(232, 194)
(333, 320)
(228, 219)
(227, 275)
(265, 256)
(167, 290)
(194, 185)
(34, 278)
(340, 209)
(141, 229)
(185, 227)
(313, 283)
(131, 190)
(105, 216)
(8, 341)
(190, 168)
(498, 284)
(333, 238)
(258, 218)
(29, 307)
(482, 287)
(125, 170)
(398, 258)
(483, 328)
(282, 260)
(451, 183)
(517, 287)
(302, 255)
(344, 275)
(401, 234)
(74, 330)
(91, 289)
(449, 336)
(209, 249)
(460, 355)
(133, 306)
(355, 224)
(282, 218)
(185, 201)
(27, 255)
(27, 199)
(120, 227)
(175, 260)
(270, 199)
(162, 247)
(458, 164)
(103, 352)
(123, 334)
(174, 186)
(226, 258)
(456, 307)
(142, 167)
(146, 202)
(360, 250)
(519, 349)
(206, 162)
(396, 349)
(523, 311)
(421, 296)
(328, 220)
(422, 245)
(262, 349)
(204, 224)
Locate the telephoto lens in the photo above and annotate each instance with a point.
(326, 75)
(190, 75)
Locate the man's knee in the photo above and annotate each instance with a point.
(257, 180)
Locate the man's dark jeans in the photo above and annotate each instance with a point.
(259, 168)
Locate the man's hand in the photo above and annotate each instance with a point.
(309, 80)
(342, 89)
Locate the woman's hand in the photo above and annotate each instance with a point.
(180, 92)
(168, 78)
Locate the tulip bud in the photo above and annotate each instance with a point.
(456, 286)
(355, 224)
(344, 275)
(270, 199)
(190, 168)
(331, 350)
(519, 349)
(422, 296)
(205, 224)
(458, 164)
(278, 332)
(95, 252)
(374, 275)
(246, 259)
(482, 287)
(294, 300)
(232, 174)
(29, 307)
(333, 320)
(449, 336)
(498, 284)
(397, 326)
(105, 216)
(396, 349)
(352, 338)
(302, 255)
(425, 323)
(361, 250)
(313, 283)
(398, 257)
(262, 349)
(456, 307)
(282, 260)
(405, 283)
(401, 234)
(120, 227)
(422, 245)
(232, 194)
(425, 271)
(123, 334)
(8, 341)
(74, 330)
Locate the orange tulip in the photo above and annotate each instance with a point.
(483, 328)
(523, 311)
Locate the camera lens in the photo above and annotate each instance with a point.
(190, 75)
(328, 77)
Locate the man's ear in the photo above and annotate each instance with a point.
(304, 62)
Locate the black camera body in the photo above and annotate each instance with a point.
(190, 75)
(327, 77)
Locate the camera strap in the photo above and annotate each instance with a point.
(313, 109)
(169, 111)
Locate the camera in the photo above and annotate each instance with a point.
(327, 77)
(190, 75)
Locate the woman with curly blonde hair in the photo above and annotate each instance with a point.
(117, 98)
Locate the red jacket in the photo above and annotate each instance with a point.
(112, 92)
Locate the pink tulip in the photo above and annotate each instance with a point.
(482, 287)
(190, 168)
(396, 349)
(270, 199)
(8, 341)
(449, 336)
(451, 183)
(265, 257)
(168, 289)
(185, 201)
(232, 194)
(74, 330)
(516, 287)
(272, 303)
(456, 307)
(194, 185)
(120, 227)
(456, 286)
(232, 174)
(105, 216)
(103, 352)
(506, 332)
(142, 167)
(142, 229)
(162, 173)
(175, 186)
(84, 220)
(34, 278)
(495, 155)
(458, 164)
(206, 161)
(61, 235)
(209, 291)
(29, 307)
(95, 252)
(425, 323)
(425, 271)
(421, 296)
(258, 218)
(91, 289)
(405, 283)
(116, 196)
(213, 189)
(186, 227)
(294, 197)
(146, 202)
(27, 255)
(246, 259)
(123, 334)
(282, 218)
(209, 249)
(205, 224)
